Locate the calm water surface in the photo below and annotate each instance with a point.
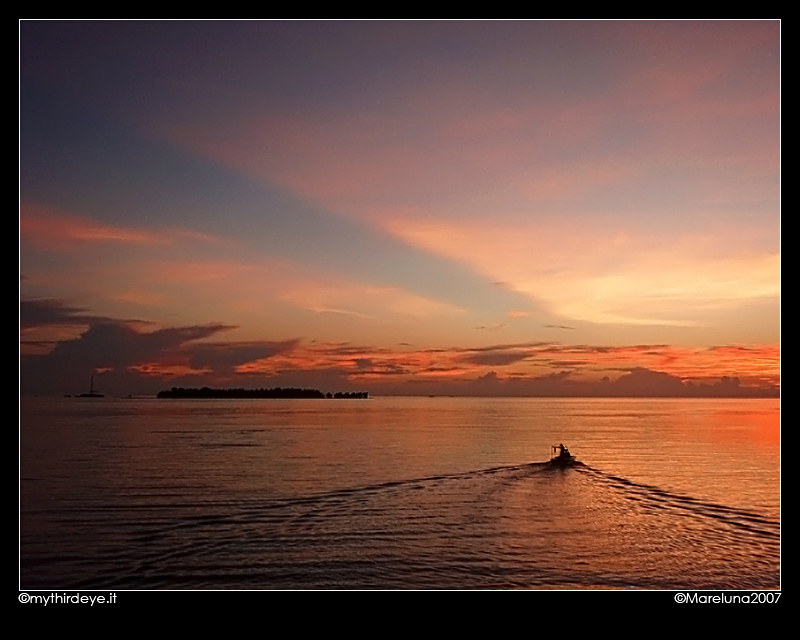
(399, 493)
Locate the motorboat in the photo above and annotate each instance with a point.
(561, 457)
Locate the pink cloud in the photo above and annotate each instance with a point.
(50, 228)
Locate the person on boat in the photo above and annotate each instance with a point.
(563, 451)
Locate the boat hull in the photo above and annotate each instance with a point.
(562, 461)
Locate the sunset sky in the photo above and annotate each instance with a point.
(503, 208)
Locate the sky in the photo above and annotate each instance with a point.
(400, 207)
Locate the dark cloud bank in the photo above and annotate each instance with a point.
(127, 361)
(635, 383)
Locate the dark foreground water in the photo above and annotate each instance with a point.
(399, 493)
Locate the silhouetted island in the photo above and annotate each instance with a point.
(206, 392)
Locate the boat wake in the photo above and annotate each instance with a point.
(656, 497)
(532, 525)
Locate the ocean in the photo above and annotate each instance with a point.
(399, 493)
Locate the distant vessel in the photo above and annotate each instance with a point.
(92, 392)
(563, 458)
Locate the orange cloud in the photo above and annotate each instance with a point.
(604, 276)
(50, 228)
(754, 366)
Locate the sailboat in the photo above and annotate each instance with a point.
(92, 392)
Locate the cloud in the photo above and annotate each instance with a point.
(638, 382)
(45, 322)
(115, 347)
(51, 228)
(225, 357)
(119, 345)
(39, 312)
(644, 382)
(593, 271)
(496, 358)
(137, 359)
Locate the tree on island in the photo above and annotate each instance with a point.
(278, 392)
